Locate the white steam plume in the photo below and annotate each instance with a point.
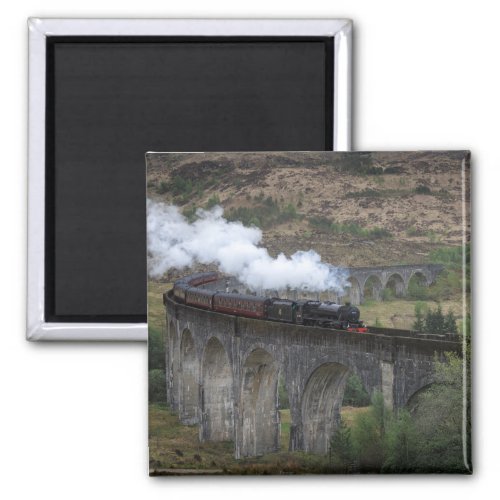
(173, 242)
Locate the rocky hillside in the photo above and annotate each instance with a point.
(359, 210)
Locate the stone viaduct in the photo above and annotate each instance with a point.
(374, 279)
(223, 373)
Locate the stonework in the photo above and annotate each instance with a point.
(378, 278)
(223, 373)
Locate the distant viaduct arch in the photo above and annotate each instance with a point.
(372, 281)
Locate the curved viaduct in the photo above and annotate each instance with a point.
(375, 279)
(223, 372)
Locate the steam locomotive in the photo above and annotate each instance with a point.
(300, 312)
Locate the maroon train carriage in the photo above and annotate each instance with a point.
(241, 305)
(182, 285)
(199, 297)
(198, 279)
(180, 289)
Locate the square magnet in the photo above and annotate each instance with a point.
(102, 92)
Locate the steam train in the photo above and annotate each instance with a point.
(300, 312)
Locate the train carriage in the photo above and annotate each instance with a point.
(241, 305)
(180, 289)
(200, 297)
(201, 278)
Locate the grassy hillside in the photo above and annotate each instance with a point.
(382, 209)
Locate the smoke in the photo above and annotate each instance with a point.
(173, 242)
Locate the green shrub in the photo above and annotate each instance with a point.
(420, 310)
(163, 187)
(157, 386)
(417, 290)
(428, 436)
(368, 436)
(283, 401)
(342, 451)
(190, 213)
(181, 185)
(212, 201)
(449, 255)
(327, 225)
(401, 443)
(387, 294)
(264, 215)
(422, 189)
(156, 349)
(355, 394)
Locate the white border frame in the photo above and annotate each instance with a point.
(341, 29)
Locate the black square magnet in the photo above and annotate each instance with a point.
(102, 92)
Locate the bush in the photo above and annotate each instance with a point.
(436, 322)
(387, 294)
(180, 185)
(327, 225)
(355, 394)
(422, 189)
(212, 201)
(438, 421)
(264, 215)
(157, 386)
(190, 213)
(426, 437)
(450, 256)
(420, 309)
(401, 444)
(283, 401)
(341, 448)
(156, 350)
(163, 187)
(368, 436)
(417, 290)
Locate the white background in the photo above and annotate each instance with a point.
(73, 421)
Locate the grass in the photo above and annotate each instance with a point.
(174, 447)
(401, 313)
(156, 310)
(349, 413)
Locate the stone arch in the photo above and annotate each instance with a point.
(259, 413)
(422, 276)
(321, 404)
(396, 284)
(189, 380)
(216, 394)
(412, 401)
(417, 282)
(355, 292)
(372, 288)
